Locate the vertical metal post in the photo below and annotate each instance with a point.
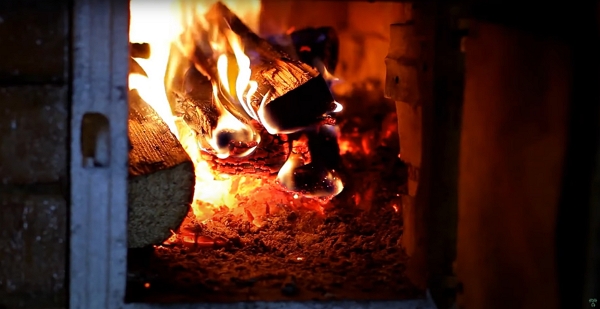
(99, 177)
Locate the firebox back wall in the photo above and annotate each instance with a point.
(34, 36)
(363, 29)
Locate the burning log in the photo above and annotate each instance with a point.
(161, 177)
(193, 102)
(291, 95)
(276, 96)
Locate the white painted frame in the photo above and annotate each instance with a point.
(98, 247)
(98, 217)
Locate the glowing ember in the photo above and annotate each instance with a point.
(172, 238)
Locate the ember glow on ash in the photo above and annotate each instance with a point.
(182, 25)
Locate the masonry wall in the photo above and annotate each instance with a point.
(34, 124)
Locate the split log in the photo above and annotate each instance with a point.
(298, 98)
(297, 95)
(193, 101)
(161, 177)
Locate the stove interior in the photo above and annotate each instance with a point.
(263, 154)
(265, 159)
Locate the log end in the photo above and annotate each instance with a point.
(161, 177)
(150, 220)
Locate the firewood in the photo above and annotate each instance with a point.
(161, 177)
(193, 102)
(297, 96)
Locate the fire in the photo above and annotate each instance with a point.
(228, 125)
(152, 23)
(162, 24)
(212, 192)
(243, 83)
(181, 24)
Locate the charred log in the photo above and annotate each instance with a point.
(323, 147)
(192, 99)
(295, 95)
(161, 177)
(194, 102)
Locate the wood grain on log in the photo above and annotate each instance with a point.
(161, 177)
(193, 102)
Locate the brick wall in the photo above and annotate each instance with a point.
(34, 111)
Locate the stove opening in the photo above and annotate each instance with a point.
(264, 157)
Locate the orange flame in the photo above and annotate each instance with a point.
(228, 123)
